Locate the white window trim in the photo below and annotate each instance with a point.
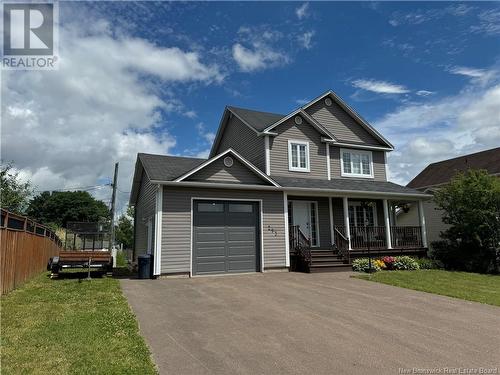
(357, 204)
(360, 152)
(308, 163)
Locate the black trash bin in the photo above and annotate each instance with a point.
(145, 266)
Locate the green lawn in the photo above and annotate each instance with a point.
(71, 326)
(463, 285)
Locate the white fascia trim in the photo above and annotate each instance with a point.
(304, 114)
(235, 154)
(267, 155)
(354, 145)
(351, 193)
(362, 121)
(292, 190)
(158, 228)
(308, 162)
(345, 174)
(350, 111)
(328, 168)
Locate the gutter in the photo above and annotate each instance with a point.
(291, 190)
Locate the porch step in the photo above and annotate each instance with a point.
(326, 258)
(330, 267)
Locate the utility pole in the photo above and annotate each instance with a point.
(113, 199)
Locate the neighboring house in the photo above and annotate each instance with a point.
(273, 186)
(436, 175)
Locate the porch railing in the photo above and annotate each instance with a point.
(300, 244)
(406, 237)
(401, 237)
(342, 244)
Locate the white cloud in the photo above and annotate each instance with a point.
(380, 87)
(455, 125)
(68, 127)
(480, 76)
(207, 135)
(489, 23)
(259, 56)
(302, 11)
(424, 93)
(469, 72)
(305, 39)
(190, 114)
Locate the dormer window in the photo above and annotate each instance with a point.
(298, 156)
(356, 163)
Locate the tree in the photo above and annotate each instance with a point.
(60, 207)
(471, 206)
(124, 231)
(14, 193)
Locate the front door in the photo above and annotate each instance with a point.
(304, 216)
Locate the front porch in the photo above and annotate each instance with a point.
(331, 231)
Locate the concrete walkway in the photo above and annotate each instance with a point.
(293, 323)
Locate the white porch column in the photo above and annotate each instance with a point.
(287, 238)
(267, 155)
(387, 222)
(158, 228)
(332, 232)
(422, 222)
(346, 220)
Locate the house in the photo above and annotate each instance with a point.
(436, 175)
(309, 187)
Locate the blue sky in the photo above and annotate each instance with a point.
(155, 77)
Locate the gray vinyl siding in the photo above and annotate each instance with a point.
(340, 123)
(433, 220)
(323, 218)
(176, 225)
(144, 209)
(244, 141)
(378, 164)
(218, 172)
(279, 150)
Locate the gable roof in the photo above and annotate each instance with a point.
(351, 112)
(160, 167)
(443, 171)
(258, 120)
(245, 162)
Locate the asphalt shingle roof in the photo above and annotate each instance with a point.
(167, 168)
(345, 185)
(443, 171)
(256, 119)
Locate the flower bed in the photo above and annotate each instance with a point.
(389, 263)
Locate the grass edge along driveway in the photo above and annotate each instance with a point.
(463, 285)
(71, 326)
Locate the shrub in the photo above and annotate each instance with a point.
(405, 263)
(362, 265)
(389, 262)
(427, 264)
(380, 263)
(470, 204)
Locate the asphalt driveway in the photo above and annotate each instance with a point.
(293, 323)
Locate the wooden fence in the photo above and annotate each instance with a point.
(25, 248)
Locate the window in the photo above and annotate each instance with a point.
(356, 163)
(362, 217)
(298, 156)
(241, 207)
(211, 207)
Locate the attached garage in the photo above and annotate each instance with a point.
(226, 236)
